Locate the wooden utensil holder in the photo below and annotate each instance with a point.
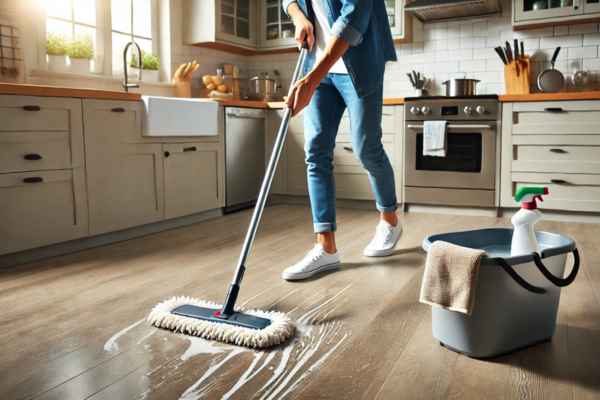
(517, 76)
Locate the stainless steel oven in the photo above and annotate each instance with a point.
(466, 176)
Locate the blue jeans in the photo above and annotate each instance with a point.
(321, 123)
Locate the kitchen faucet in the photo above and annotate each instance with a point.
(126, 84)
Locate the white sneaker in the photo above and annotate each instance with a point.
(385, 240)
(316, 261)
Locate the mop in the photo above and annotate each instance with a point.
(251, 328)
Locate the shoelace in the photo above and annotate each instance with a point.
(387, 233)
(315, 254)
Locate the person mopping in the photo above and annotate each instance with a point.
(349, 42)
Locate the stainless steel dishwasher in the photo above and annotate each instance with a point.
(244, 156)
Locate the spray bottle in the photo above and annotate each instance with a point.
(524, 240)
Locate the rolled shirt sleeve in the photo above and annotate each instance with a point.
(353, 21)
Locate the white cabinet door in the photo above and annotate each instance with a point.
(591, 6)
(236, 21)
(40, 208)
(538, 10)
(124, 179)
(192, 181)
(276, 29)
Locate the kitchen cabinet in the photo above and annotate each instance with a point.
(227, 22)
(276, 27)
(400, 22)
(351, 179)
(539, 12)
(124, 178)
(42, 184)
(191, 178)
(554, 144)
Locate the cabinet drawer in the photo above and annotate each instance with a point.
(562, 159)
(21, 151)
(343, 153)
(388, 123)
(568, 122)
(570, 192)
(41, 208)
(353, 185)
(28, 113)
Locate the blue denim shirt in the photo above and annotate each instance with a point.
(364, 25)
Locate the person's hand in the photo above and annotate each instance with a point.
(301, 93)
(304, 30)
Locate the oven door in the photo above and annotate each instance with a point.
(470, 161)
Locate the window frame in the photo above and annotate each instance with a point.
(103, 51)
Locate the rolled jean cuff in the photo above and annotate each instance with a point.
(387, 208)
(322, 227)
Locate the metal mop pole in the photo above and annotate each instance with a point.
(234, 288)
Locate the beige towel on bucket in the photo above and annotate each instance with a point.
(450, 277)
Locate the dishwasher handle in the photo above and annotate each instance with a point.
(245, 113)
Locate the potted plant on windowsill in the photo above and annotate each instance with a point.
(56, 50)
(150, 66)
(81, 53)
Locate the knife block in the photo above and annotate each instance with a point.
(517, 76)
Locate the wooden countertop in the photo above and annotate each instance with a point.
(516, 98)
(56, 91)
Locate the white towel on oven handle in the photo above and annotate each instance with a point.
(434, 138)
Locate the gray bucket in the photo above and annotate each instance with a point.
(517, 298)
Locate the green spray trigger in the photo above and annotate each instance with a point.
(527, 196)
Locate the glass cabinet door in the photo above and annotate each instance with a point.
(277, 27)
(540, 9)
(235, 20)
(395, 15)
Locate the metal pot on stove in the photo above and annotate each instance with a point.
(461, 87)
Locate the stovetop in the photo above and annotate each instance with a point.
(478, 97)
(471, 108)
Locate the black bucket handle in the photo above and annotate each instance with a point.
(560, 282)
(516, 277)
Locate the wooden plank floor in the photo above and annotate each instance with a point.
(73, 327)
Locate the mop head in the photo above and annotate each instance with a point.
(278, 331)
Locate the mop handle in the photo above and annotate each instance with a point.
(264, 192)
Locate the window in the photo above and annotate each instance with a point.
(72, 19)
(110, 22)
(124, 27)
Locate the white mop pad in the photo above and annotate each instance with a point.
(280, 329)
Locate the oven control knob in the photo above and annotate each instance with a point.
(468, 110)
(426, 110)
(481, 110)
(415, 110)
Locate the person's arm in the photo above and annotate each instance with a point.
(347, 31)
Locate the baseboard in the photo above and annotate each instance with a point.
(23, 257)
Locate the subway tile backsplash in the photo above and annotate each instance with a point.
(457, 49)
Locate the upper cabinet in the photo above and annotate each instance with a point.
(400, 23)
(539, 12)
(255, 26)
(229, 23)
(276, 27)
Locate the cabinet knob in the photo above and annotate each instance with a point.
(117, 110)
(32, 108)
(193, 148)
(32, 157)
(33, 179)
(167, 154)
(348, 148)
(554, 109)
(558, 181)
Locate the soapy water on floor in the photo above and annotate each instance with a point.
(273, 373)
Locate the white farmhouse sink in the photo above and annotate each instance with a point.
(173, 116)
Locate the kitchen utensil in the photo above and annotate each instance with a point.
(509, 53)
(262, 87)
(523, 50)
(517, 53)
(412, 81)
(551, 80)
(581, 79)
(501, 54)
(461, 87)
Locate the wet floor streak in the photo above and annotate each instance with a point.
(266, 375)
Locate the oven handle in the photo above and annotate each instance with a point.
(454, 126)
